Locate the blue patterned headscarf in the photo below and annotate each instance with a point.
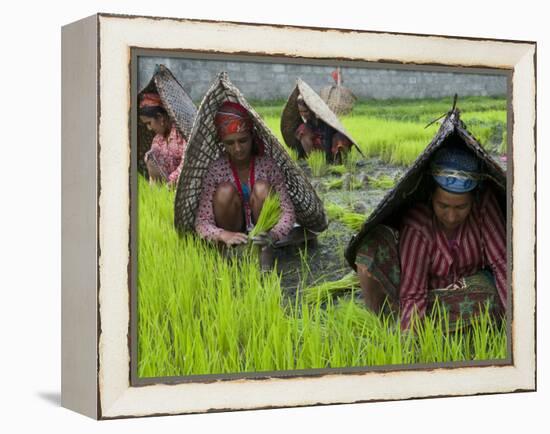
(455, 169)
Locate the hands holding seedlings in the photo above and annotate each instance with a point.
(262, 239)
(155, 173)
(233, 238)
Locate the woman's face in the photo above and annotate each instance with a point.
(157, 124)
(238, 146)
(451, 209)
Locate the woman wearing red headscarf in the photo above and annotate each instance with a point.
(238, 183)
(165, 158)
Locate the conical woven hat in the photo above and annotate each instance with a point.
(177, 103)
(414, 184)
(290, 119)
(175, 100)
(338, 98)
(203, 148)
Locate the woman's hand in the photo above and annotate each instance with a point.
(155, 173)
(262, 239)
(233, 238)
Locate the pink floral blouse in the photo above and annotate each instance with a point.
(219, 172)
(169, 154)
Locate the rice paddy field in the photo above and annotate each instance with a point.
(202, 311)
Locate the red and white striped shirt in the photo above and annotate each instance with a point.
(430, 261)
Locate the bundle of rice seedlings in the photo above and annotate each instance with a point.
(326, 290)
(356, 184)
(337, 169)
(335, 184)
(318, 163)
(269, 216)
(353, 220)
(382, 182)
(334, 211)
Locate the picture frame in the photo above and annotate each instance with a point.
(96, 246)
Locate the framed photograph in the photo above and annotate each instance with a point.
(261, 216)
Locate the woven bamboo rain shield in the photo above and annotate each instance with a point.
(339, 98)
(291, 120)
(203, 148)
(175, 100)
(414, 184)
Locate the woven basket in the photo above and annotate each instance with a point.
(290, 119)
(177, 103)
(203, 148)
(338, 98)
(414, 184)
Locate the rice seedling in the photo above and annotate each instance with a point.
(381, 128)
(382, 182)
(353, 220)
(351, 159)
(388, 139)
(337, 169)
(317, 161)
(293, 154)
(484, 116)
(334, 211)
(424, 110)
(321, 292)
(336, 184)
(269, 216)
(201, 312)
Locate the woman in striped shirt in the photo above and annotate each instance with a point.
(452, 249)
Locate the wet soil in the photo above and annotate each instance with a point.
(325, 256)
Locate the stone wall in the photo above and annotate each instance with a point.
(258, 80)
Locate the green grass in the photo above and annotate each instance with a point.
(394, 130)
(200, 312)
(424, 110)
(317, 161)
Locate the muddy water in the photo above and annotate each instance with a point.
(325, 257)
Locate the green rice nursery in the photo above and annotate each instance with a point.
(202, 311)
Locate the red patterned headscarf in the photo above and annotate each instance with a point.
(150, 100)
(232, 118)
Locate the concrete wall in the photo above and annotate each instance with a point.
(258, 80)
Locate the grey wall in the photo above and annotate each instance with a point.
(258, 80)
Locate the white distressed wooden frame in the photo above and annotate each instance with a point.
(96, 218)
